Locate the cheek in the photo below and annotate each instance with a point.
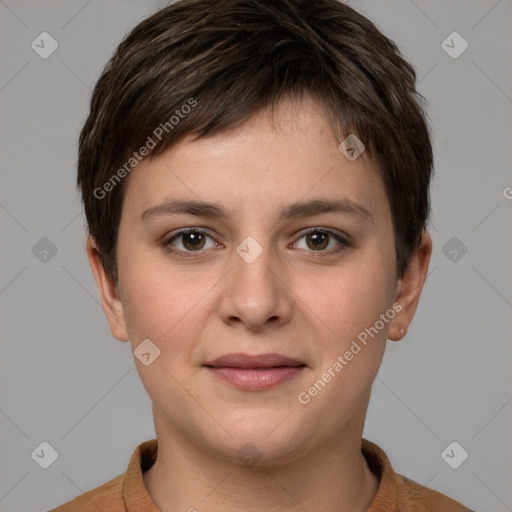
(350, 298)
(161, 302)
(347, 305)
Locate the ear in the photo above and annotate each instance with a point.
(110, 301)
(409, 288)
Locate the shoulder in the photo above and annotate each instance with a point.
(397, 492)
(105, 497)
(417, 498)
(122, 493)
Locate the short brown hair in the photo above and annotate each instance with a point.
(234, 58)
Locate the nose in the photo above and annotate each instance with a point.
(254, 293)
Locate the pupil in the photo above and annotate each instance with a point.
(193, 239)
(319, 239)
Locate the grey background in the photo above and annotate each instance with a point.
(65, 380)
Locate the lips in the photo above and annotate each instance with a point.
(255, 373)
(247, 361)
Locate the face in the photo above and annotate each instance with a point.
(290, 253)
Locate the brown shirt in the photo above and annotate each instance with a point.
(126, 493)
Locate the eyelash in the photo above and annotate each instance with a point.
(191, 254)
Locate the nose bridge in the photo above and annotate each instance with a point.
(252, 265)
(253, 293)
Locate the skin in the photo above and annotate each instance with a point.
(293, 299)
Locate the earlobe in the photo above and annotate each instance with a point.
(110, 300)
(410, 287)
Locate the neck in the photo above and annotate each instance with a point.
(332, 477)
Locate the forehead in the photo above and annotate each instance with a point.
(261, 166)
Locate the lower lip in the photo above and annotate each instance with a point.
(256, 379)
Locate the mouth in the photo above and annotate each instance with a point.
(255, 373)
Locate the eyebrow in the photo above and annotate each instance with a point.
(295, 210)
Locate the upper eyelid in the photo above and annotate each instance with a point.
(185, 231)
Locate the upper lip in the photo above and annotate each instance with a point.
(240, 360)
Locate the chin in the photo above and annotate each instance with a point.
(259, 439)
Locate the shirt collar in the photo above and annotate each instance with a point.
(136, 497)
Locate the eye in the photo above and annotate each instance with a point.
(192, 240)
(189, 240)
(318, 239)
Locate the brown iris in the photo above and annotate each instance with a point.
(192, 241)
(320, 239)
